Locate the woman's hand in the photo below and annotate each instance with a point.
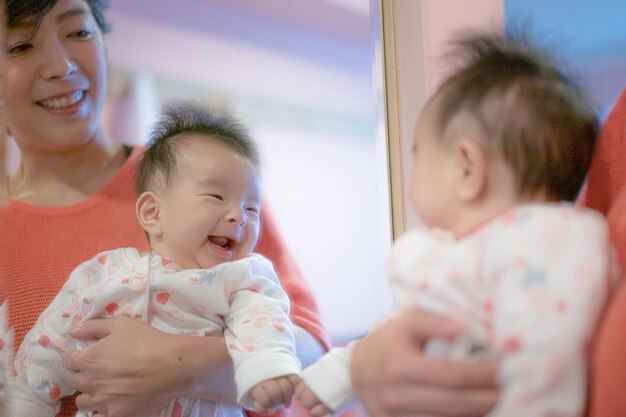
(393, 379)
(134, 369)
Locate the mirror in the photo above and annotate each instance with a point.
(300, 74)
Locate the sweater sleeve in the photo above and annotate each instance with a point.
(304, 311)
(607, 174)
(606, 191)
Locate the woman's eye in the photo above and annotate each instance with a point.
(253, 210)
(20, 48)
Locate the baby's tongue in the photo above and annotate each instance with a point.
(219, 240)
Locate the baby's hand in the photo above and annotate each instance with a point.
(273, 393)
(309, 400)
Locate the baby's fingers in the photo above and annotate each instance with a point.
(274, 391)
(261, 410)
(306, 397)
(287, 389)
(262, 400)
(319, 410)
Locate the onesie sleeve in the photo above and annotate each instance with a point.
(41, 377)
(259, 334)
(553, 278)
(304, 311)
(329, 378)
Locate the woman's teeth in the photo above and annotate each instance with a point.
(60, 103)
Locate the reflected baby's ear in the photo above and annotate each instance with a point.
(148, 214)
(472, 170)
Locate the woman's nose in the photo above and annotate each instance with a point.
(57, 62)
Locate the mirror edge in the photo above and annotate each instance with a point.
(404, 92)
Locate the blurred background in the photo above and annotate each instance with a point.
(591, 36)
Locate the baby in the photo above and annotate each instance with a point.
(199, 186)
(500, 153)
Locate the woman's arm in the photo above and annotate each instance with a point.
(134, 369)
(392, 378)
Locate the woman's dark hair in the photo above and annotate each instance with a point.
(19, 10)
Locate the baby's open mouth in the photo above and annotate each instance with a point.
(222, 241)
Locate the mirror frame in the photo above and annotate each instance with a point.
(404, 91)
(415, 35)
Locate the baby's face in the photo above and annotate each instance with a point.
(431, 187)
(210, 213)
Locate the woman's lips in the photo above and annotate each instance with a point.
(64, 102)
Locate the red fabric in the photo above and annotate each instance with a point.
(606, 192)
(44, 244)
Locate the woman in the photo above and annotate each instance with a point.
(72, 196)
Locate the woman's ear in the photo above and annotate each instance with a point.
(148, 214)
(472, 170)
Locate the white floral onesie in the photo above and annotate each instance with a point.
(242, 300)
(529, 286)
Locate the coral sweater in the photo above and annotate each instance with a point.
(42, 245)
(606, 192)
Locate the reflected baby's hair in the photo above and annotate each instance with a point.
(178, 122)
(20, 10)
(524, 107)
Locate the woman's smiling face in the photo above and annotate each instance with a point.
(56, 78)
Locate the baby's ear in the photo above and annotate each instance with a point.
(148, 214)
(471, 170)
